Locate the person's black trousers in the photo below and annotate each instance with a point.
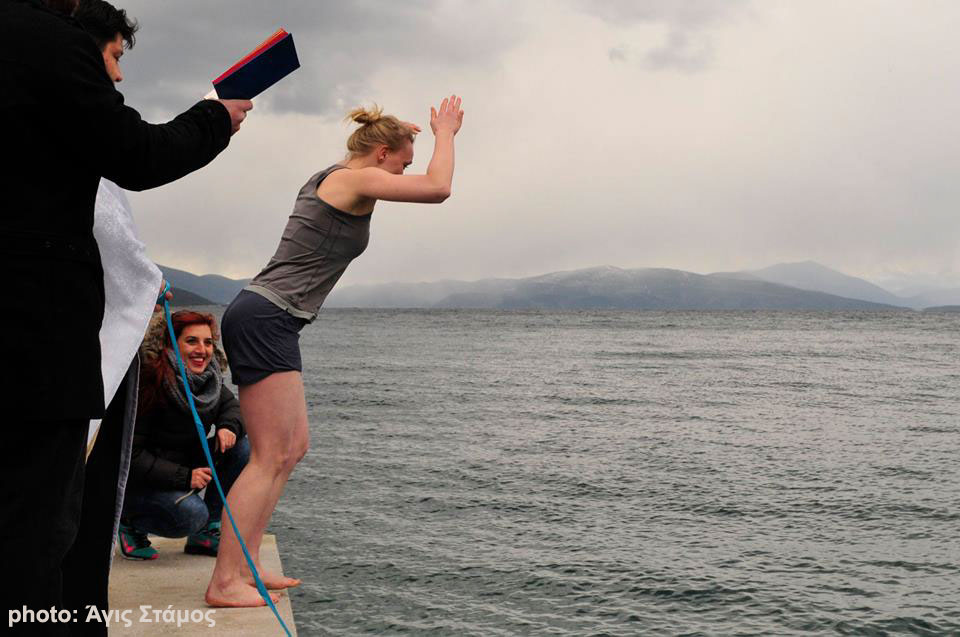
(40, 499)
(86, 568)
(56, 522)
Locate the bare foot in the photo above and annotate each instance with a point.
(235, 594)
(276, 582)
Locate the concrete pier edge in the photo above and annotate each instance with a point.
(174, 584)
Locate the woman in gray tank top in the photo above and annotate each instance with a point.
(329, 227)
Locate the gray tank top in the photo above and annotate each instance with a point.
(317, 245)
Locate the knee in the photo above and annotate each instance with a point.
(300, 449)
(192, 517)
(295, 453)
(279, 462)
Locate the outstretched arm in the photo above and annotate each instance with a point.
(121, 146)
(433, 187)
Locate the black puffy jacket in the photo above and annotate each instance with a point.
(166, 447)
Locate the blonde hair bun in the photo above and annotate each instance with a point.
(365, 116)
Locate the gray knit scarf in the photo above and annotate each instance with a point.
(205, 387)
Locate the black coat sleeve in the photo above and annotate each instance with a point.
(150, 470)
(228, 416)
(134, 154)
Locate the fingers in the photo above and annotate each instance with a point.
(449, 105)
(168, 295)
(240, 105)
(448, 116)
(453, 103)
(238, 118)
(238, 111)
(227, 439)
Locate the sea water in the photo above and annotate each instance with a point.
(627, 473)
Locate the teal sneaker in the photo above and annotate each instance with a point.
(134, 544)
(206, 541)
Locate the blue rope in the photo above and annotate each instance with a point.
(206, 451)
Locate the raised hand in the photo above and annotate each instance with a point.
(448, 117)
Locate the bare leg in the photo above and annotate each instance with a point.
(300, 441)
(275, 417)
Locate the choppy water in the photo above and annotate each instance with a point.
(628, 473)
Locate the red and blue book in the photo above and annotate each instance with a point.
(260, 69)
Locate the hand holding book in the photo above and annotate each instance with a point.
(238, 112)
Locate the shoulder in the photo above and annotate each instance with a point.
(356, 176)
(363, 173)
(55, 50)
(53, 38)
(46, 24)
(328, 174)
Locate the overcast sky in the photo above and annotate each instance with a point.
(700, 135)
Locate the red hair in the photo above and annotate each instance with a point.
(153, 369)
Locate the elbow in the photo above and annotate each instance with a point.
(441, 195)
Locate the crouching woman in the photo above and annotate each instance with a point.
(168, 466)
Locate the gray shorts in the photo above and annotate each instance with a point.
(260, 338)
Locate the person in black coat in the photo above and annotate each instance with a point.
(63, 126)
(168, 465)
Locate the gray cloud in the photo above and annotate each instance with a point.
(687, 47)
(618, 54)
(681, 51)
(182, 46)
(675, 13)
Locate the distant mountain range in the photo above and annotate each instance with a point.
(603, 288)
(186, 298)
(211, 288)
(786, 286)
(809, 275)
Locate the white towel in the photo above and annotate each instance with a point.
(131, 284)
